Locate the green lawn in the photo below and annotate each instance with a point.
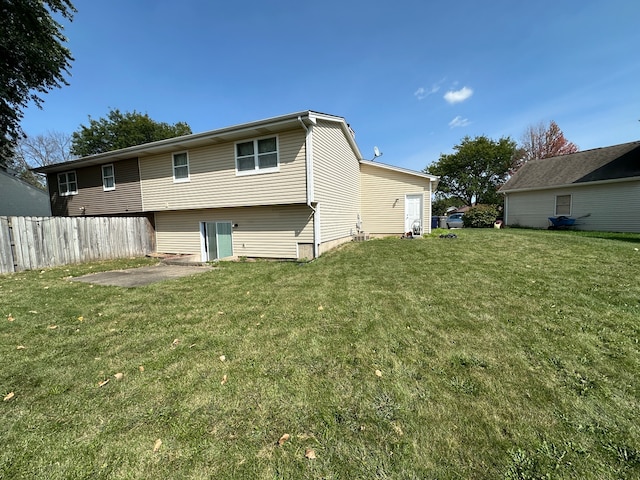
(500, 354)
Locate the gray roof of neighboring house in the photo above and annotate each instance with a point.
(599, 164)
(19, 198)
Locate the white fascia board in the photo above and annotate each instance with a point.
(432, 178)
(348, 133)
(183, 142)
(571, 185)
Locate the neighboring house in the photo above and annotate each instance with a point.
(292, 186)
(18, 198)
(599, 188)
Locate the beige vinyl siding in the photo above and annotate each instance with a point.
(607, 207)
(213, 182)
(269, 231)
(91, 198)
(383, 199)
(336, 182)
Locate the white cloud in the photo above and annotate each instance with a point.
(459, 122)
(457, 96)
(422, 93)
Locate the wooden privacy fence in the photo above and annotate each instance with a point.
(28, 243)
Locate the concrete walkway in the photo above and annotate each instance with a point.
(136, 277)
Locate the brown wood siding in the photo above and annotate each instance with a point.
(336, 181)
(266, 232)
(213, 182)
(383, 199)
(91, 198)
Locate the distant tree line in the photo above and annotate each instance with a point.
(115, 131)
(479, 166)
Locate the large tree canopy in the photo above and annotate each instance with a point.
(121, 130)
(33, 60)
(542, 141)
(476, 170)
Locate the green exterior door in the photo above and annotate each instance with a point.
(219, 242)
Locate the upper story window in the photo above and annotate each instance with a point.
(181, 167)
(563, 205)
(67, 183)
(108, 178)
(257, 156)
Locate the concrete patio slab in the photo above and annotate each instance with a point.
(136, 277)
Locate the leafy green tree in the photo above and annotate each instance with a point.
(476, 170)
(33, 60)
(121, 130)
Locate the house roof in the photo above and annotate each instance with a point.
(212, 137)
(617, 162)
(431, 178)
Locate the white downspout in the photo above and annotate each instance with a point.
(505, 211)
(310, 186)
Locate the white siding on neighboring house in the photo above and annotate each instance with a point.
(270, 231)
(533, 208)
(336, 181)
(213, 182)
(383, 199)
(612, 206)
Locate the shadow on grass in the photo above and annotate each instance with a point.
(619, 236)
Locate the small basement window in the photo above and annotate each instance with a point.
(563, 205)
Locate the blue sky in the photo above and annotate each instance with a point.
(411, 77)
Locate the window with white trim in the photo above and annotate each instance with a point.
(181, 167)
(563, 205)
(67, 183)
(108, 178)
(257, 156)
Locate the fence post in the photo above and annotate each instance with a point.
(7, 246)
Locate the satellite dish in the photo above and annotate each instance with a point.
(376, 152)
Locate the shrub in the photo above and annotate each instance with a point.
(480, 216)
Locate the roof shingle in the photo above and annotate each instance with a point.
(606, 163)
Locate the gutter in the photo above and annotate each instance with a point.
(571, 185)
(171, 144)
(308, 153)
